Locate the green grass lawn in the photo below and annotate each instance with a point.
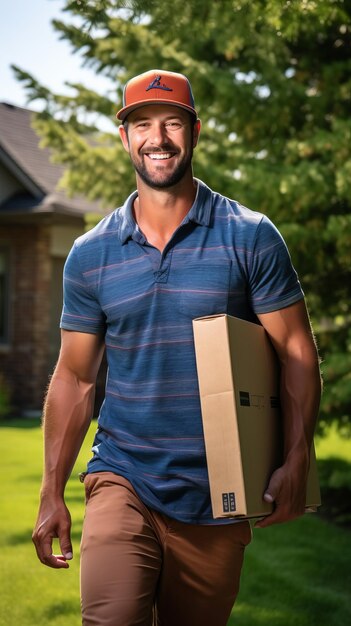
(296, 574)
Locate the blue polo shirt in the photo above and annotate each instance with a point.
(223, 258)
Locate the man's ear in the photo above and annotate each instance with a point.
(123, 133)
(196, 132)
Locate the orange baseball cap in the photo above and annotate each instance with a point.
(157, 87)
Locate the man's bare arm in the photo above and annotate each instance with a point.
(291, 334)
(67, 414)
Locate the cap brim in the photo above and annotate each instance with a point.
(122, 113)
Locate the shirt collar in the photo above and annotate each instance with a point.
(200, 212)
(128, 226)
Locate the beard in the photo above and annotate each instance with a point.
(162, 180)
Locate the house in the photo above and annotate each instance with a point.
(38, 225)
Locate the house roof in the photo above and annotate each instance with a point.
(32, 166)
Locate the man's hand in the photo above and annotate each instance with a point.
(287, 492)
(54, 521)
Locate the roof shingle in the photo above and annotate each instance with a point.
(19, 143)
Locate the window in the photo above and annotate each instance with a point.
(4, 295)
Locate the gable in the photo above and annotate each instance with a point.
(28, 178)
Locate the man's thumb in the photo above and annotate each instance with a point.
(66, 548)
(270, 495)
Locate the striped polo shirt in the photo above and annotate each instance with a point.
(223, 258)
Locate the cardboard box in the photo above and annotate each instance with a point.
(238, 374)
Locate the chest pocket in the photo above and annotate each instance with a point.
(205, 289)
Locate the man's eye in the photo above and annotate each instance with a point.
(173, 124)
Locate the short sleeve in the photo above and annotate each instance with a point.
(81, 310)
(274, 283)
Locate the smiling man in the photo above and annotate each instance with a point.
(166, 139)
(151, 552)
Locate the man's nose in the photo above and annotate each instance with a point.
(157, 135)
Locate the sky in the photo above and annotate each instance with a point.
(28, 40)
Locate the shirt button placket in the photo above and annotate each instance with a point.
(161, 275)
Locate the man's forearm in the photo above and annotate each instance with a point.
(300, 391)
(300, 398)
(67, 414)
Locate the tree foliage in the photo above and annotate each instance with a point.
(272, 83)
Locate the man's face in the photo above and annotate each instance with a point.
(160, 140)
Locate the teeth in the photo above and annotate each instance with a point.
(159, 156)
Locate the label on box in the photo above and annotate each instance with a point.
(244, 398)
(228, 500)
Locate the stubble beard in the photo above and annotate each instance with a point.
(165, 181)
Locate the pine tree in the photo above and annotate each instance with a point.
(273, 90)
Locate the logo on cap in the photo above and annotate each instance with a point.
(156, 84)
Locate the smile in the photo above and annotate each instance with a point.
(159, 156)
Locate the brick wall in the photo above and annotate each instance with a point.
(25, 362)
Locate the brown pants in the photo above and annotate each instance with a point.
(139, 567)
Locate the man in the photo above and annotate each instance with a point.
(151, 549)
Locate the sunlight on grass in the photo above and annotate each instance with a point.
(32, 594)
(294, 574)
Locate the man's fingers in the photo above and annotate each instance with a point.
(286, 496)
(267, 521)
(43, 545)
(45, 555)
(43, 541)
(56, 561)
